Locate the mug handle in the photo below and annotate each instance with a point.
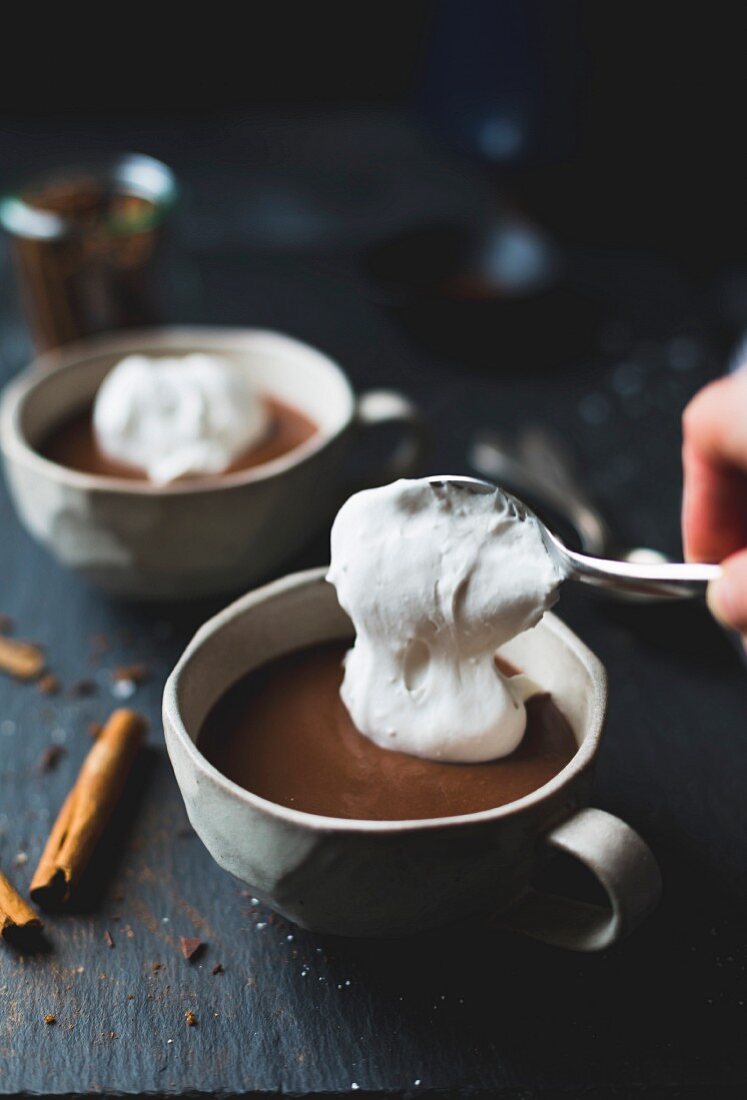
(622, 863)
(376, 407)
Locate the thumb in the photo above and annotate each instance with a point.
(727, 596)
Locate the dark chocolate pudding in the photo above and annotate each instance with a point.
(283, 733)
(73, 444)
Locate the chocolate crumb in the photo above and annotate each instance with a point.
(191, 947)
(191, 1019)
(50, 1019)
(108, 938)
(48, 684)
(82, 689)
(136, 674)
(217, 969)
(50, 758)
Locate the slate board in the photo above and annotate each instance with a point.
(466, 1008)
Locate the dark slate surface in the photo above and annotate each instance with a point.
(466, 1008)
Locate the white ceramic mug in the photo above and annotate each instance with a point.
(189, 539)
(378, 878)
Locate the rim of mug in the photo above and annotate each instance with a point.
(22, 388)
(171, 712)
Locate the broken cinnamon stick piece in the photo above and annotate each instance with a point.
(87, 809)
(22, 660)
(191, 947)
(16, 916)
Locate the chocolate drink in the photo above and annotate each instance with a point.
(284, 733)
(73, 444)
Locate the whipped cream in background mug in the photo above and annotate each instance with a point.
(435, 580)
(175, 417)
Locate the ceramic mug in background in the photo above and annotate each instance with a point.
(379, 878)
(191, 538)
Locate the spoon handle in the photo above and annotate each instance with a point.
(675, 580)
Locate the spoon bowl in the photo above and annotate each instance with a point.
(538, 465)
(665, 580)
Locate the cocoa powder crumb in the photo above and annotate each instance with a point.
(50, 758)
(137, 673)
(82, 689)
(48, 684)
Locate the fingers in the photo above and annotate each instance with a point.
(727, 597)
(714, 507)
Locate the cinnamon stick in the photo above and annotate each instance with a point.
(20, 659)
(16, 916)
(87, 809)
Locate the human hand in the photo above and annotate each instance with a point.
(714, 507)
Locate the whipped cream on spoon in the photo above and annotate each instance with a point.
(436, 580)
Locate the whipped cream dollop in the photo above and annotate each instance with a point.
(178, 417)
(435, 579)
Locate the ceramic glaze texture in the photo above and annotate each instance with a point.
(362, 878)
(186, 539)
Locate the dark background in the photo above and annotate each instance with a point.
(306, 139)
(636, 109)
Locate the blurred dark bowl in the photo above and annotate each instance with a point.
(494, 298)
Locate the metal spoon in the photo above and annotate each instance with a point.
(671, 580)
